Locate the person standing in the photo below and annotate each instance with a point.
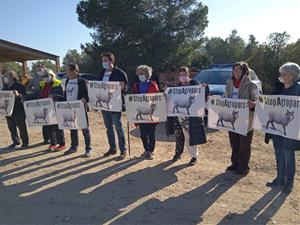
(147, 130)
(76, 89)
(189, 131)
(111, 72)
(285, 147)
(18, 117)
(240, 86)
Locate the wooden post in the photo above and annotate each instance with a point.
(57, 64)
(24, 67)
(128, 137)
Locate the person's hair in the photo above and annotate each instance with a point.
(292, 68)
(244, 66)
(146, 69)
(13, 74)
(50, 73)
(73, 66)
(3, 71)
(184, 69)
(110, 56)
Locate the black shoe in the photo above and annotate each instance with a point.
(23, 146)
(275, 183)
(176, 157)
(232, 168)
(193, 161)
(288, 188)
(123, 155)
(70, 151)
(109, 153)
(13, 145)
(241, 172)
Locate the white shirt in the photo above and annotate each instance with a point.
(106, 76)
(235, 92)
(72, 90)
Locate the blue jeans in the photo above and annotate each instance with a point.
(285, 161)
(111, 120)
(87, 139)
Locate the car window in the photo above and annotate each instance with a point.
(213, 76)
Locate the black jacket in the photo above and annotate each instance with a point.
(18, 110)
(196, 124)
(116, 75)
(82, 89)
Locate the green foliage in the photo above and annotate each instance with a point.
(17, 67)
(161, 33)
(48, 63)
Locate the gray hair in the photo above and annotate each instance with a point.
(146, 69)
(292, 68)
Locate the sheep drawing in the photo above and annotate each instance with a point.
(70, 118)
(227, 117)
(4, 105)
(40, 115)
(184, 103)
(145, 111)
(105, 98)
(278, 118)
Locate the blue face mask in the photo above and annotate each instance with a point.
(142, 78)
(105, 65)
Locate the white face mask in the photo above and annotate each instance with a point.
(105, 65)
(6, 80)
(40, 73)
(142, 78)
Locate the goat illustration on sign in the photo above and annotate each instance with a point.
(145, 111)
(4, 105)
(69, 119)
(227, 117)
(280, 119)
(184, 103)
(104, 97)
(41, 115)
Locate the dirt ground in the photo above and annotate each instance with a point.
(48, 188)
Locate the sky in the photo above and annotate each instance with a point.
(53, 26)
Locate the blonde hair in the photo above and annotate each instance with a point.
(50, 73)
(146, 69)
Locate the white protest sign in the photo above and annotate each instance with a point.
(105, 95)
(186, 100)
(278, 114)
(228, 114)
(40, 112)
(146, 108)
(71, 115)
(7, 102)
(1, 82)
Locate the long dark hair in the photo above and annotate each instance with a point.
(244, 66)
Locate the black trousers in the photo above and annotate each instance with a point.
(147, 131)
(17, 122)
(241, 149)
(87, 138)
(56, 135)
(46, 133)
(179, 137)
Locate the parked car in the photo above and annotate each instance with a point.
(216, 77)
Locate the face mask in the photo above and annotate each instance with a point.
(6, 80)
(142, 78)
(105, 65)
(183, 79)
(280, 80)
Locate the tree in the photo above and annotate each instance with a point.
(12, 66)
(161, 33)
(48, 63)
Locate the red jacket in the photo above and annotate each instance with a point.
(152, 88)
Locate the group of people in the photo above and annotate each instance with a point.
(189, 131)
